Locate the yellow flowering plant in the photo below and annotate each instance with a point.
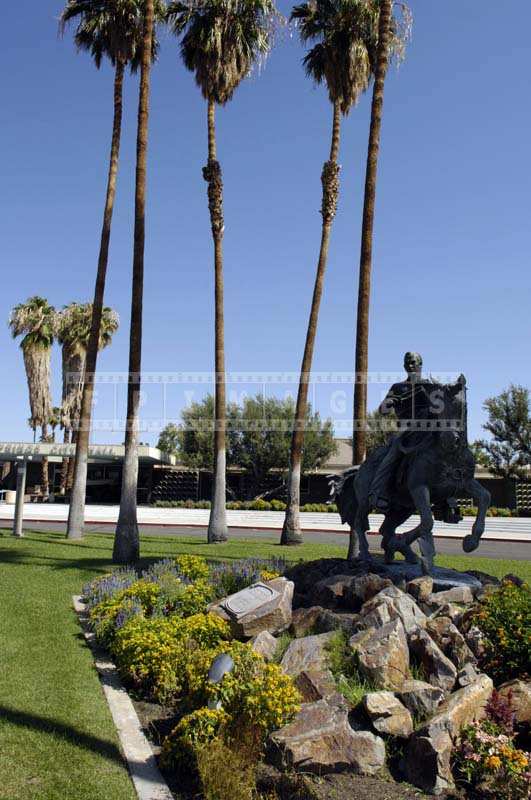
(255, 694)
(157, 654)
(503, 618)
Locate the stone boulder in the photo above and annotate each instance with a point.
(467, 675)
(273, 615)
(390, 604)
(430, 747)
(320, 740)
(364, 587)
(457, 594)
(316, 685)
(304, 620)
(437, 667)
(265, 645)
(519, 694)
(420, 698)
(451, 641)
(331, 590)
(420, 588)
(309, 653)
(387, 714)
(383, 655)
(336, 620)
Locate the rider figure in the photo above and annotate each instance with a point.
(411, 400)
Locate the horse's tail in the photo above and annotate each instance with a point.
(343, 494)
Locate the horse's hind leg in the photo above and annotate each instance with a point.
(482, 498)
(361, 526)
(390, 541)
(424, 531)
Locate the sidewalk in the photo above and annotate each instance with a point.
(511, 529)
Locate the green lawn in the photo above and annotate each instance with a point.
(57, 741)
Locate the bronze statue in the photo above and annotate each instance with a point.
(420, 471)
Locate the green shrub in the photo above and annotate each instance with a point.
(503, 618)
(194, 731)
(278, 505)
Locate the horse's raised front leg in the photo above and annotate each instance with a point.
(482, 499)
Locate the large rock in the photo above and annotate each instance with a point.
(363, 587)
(457, 594)
(265, 645)
(420, 588)
(451, 641)
(430, 747)
(273, 615)
(336, 620)
(304, 620)
(316, 685)
(476, 641)
(387, 714)
(420, 698)
(321, 740)
(438, 669)
(331, 590)
(467, 675)
(390, 604)
(309, 653)
(519, 694)
(382, 654)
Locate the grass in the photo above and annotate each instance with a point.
(57, 740)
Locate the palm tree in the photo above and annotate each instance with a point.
(35, 321)
(391, 39)
(126, 540)
(221, 41)
(344, 30)
(73, 326)
(110, 29)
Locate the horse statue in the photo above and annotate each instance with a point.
(434, 463)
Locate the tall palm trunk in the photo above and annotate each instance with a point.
(291, 531)
(45, 480)
(76, 514)
(126, 541)
(364, 290)
(66, 463)
(217, 525)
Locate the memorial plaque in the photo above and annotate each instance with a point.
(248, 600)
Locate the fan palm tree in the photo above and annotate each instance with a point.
(221, 41)
(392, 36)
(111, 29)
(73, 327)
(126, 540)
(35, 321)
(344, 31)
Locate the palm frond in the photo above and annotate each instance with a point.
(222, 40)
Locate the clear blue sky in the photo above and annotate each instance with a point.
(452, 237)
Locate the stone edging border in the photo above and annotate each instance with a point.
(139, 757)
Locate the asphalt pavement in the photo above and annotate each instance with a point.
(520, 551)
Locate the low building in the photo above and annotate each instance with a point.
(162, 478)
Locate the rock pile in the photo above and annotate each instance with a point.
(403, 636)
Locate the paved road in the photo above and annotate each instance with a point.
(508, 529)
(520, 551)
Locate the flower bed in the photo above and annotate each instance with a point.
(163, 641)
